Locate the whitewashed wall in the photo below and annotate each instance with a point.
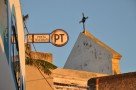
(6, 79)
(89, 56)
(3, 18)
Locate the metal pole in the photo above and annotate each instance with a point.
(83, 27)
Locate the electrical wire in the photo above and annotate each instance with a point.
(36, 51)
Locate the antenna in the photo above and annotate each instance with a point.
(83, 21)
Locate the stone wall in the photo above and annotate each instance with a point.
(60, 79)
(67, 79)
(41, 56)
(125, 81)
(37, 55)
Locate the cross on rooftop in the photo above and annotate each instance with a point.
(83, 21)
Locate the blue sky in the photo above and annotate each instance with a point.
(112, 21)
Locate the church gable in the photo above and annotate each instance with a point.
(90, 54)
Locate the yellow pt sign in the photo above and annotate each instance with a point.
(59, 37)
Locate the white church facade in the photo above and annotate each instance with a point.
(92, 55)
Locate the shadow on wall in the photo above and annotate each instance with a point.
(5, 72)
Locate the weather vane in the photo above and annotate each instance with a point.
(83, 21)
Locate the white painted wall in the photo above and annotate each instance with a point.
(6, 76)
(89, 56)
(6, 79)
(20, 34)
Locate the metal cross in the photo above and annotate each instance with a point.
(83, 21)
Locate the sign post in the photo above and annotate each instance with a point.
(38, 38)
(58, 38)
